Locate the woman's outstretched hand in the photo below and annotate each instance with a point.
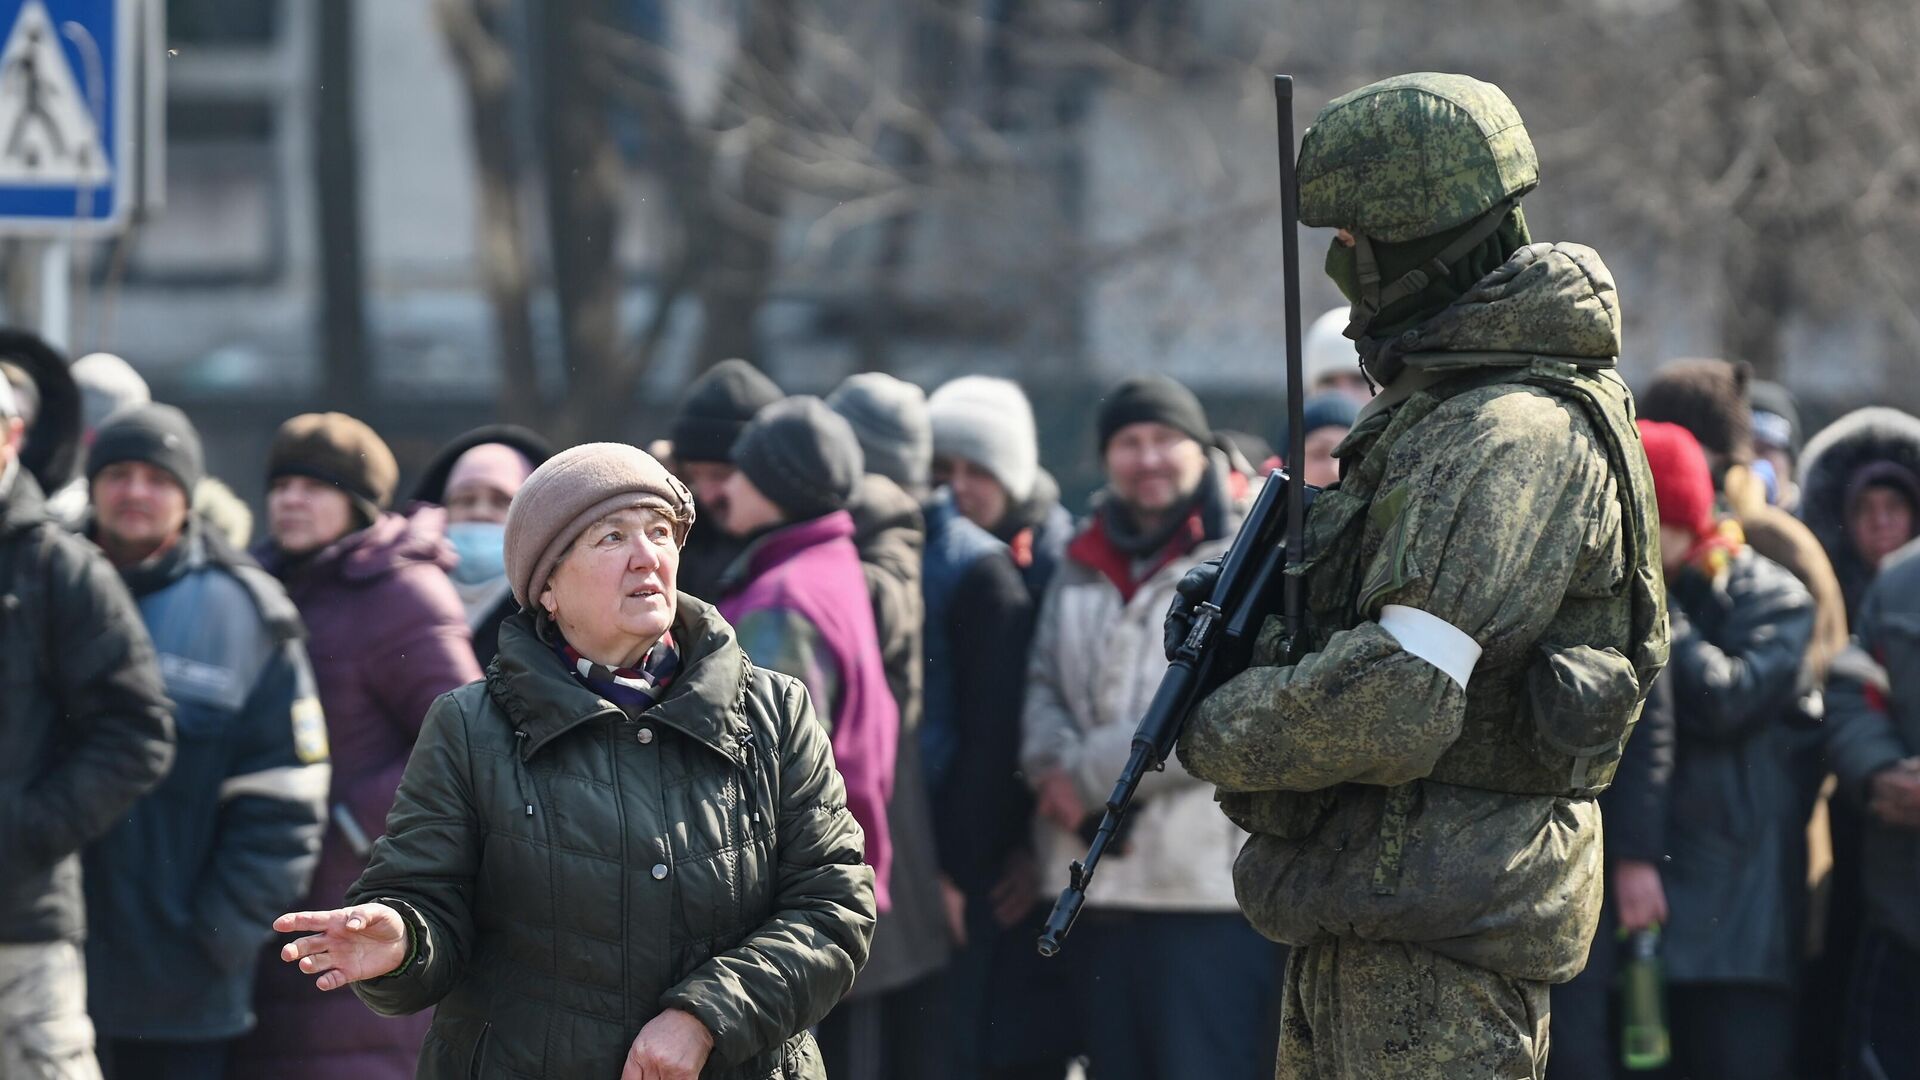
(346, 945)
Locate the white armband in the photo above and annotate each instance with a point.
(1432, 639)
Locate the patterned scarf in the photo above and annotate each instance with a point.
(626, 687)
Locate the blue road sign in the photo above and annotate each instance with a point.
(67, 121)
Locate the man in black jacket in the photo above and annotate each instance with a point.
(85, 729)
(230, 838)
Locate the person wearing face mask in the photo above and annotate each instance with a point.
(1161, 935)
(474, 478)
(1484, 614)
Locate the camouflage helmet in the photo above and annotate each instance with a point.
(1412, 156)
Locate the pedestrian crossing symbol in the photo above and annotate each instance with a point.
(68, 119)
(47, 130)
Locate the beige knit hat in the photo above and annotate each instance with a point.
(572, 490)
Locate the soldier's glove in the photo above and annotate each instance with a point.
(1192, 591)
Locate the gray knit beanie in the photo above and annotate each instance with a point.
(889, 417)
(802, 456)
(572, 490)
(988, 422)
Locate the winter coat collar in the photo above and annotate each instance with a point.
(886, 520)
(1546, 300)
(705, 702)
(373, 552)
(1100, 547)
(187, 554)
(783, 543)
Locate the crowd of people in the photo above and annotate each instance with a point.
(207, 729)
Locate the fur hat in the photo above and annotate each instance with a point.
(1708, 398)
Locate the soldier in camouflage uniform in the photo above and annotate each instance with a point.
(1485, 615)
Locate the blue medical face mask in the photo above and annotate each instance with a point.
(482, 547)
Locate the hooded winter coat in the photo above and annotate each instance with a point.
(1736, 867)
(1496, 485)
(568, 870)
(52, 450)
(1832, 457)
(387, 636)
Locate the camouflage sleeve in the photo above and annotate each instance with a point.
(1488, 508)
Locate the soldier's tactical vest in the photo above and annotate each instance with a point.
(1554, 721)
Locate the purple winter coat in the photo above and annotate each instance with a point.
(387, 635)
(809, 575)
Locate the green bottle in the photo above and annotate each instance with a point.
(1643, 1003)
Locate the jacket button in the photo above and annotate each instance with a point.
(645, 735)
(660, 871)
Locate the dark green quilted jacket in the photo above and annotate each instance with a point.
(570, 871)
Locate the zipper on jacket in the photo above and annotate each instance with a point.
(520, 770)
(749, 766)
(477, 1061)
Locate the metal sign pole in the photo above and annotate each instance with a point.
(56, 292)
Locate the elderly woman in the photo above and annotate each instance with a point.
(627, 851)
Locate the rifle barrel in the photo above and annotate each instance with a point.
(1295, 599)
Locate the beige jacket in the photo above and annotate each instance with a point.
(1094, 667)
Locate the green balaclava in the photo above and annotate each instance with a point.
(1397, 259)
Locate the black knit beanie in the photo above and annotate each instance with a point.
(1709, 399)
(802, 456)
(717, 408)
(156, 435)
(1153, 399)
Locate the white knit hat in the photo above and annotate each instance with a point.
(1327, 350)
(989, 422)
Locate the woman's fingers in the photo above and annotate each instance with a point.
(332, 980)
(306, 946)
(294, 921)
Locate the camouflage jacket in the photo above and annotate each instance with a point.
(1498, 485)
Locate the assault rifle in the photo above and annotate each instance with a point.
(1253, 582)
(1219, 644)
